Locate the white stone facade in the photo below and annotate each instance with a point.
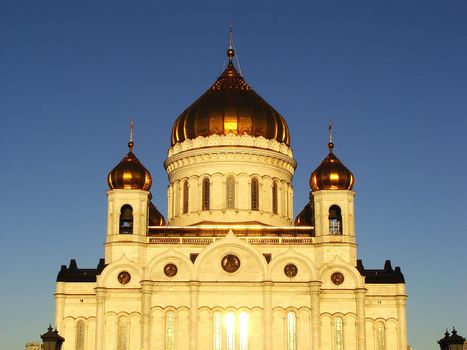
(255, 307)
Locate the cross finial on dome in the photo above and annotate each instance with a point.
(330, 144)
(230, 51)
(130, 143)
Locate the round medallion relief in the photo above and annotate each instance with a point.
(337, 278)
(170, 270)
(124, 277)
(230, 263)
(290, 270)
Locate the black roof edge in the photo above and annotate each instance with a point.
(387, 275)
(74, 274)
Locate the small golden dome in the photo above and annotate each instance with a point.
(129, 174)
(155, 216)
(230, 106)
(306, 216)
(331, 174)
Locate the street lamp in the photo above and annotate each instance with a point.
(451, 342)
(52, 340)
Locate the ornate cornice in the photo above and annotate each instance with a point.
(230, 148)
(230, 140)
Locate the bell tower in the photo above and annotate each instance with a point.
(332, 200)
(130, 210)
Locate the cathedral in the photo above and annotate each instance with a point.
(229, 267)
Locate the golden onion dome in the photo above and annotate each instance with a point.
(331, 174)
(129, 174)
(230, 106)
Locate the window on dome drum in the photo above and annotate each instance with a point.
(185, 198)
(122, 339)
(291, 331)
(80, 335)
(254, 194)
(230, 192)
(380, 337)
(169, 331)
(335, 220)
(126, 219)
(274, 197)
(338, 334)
(206, 194)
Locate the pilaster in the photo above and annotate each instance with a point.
(401, 316)
(100, 317)
(267, 314)
(194, 314)
(146, 292)
(315, 314)
(361, 327)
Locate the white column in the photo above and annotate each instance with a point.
(100, 318)
(267, 314)
(401, 316)
(315, 314)
(170, 202)
(194, 310)
(267, 195)
(59, 308)
(193, 189)
(290, 207)
(361, 326)
(145, 315)
(176, 198)
(216, 192)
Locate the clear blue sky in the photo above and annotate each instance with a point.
(392, 75)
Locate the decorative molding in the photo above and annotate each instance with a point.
(209, 155)
(230, 140)
(252, 240)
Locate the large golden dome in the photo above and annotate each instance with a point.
(129, 174)
(331, 174)
(230, 106)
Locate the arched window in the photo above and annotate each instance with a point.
(338, 334)
(169, 331)
(230, 192)
(274, 197)
(217, 330)
(254, 194)
(122, 338)
(380, 337)
(230, 331)
(185, 197)
(291, 331)
(228, 337)
(80, 335)
(206, 194)
(126, 219)
(243, 331)
(335, 220)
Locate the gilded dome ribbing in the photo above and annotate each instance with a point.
(230, 106)
(129, 174)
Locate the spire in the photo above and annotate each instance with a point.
(130, 143)
(230, 51)
(330, 144)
